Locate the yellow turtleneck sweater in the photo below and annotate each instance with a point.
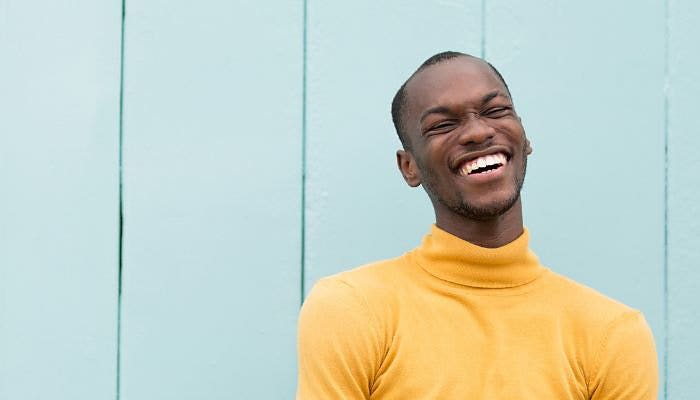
(452, 320)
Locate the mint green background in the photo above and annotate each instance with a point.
(176, 177)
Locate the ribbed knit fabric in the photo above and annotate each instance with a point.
(452, 320)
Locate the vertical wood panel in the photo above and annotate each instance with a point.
(358, 208)
(588, 79)
(212, 154)
(683, 200)
(59, 118)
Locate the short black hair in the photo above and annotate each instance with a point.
(399, 102)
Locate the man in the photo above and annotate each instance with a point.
(470, 313)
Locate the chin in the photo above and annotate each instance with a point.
(486, 210)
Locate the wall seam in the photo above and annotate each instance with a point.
(303, 156)
(120, 247)
(666, 121)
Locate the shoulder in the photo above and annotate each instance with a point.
(590, 315)
(614, 341)
(588, 305)
(367, 283)
(342, 332)
(348, 317)
(366, 294)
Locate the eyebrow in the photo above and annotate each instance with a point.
(490, 96)
(434, 110)
(444, 110)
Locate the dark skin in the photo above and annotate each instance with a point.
(456, 111)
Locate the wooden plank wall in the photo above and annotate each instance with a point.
(257, 155)
(683, 193)
(212, 196)
(59, 207)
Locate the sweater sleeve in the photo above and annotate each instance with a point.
(338, 344)
(626, 366)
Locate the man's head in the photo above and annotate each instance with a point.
(398, 104)
(462, 139)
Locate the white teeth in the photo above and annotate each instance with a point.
(481, 162)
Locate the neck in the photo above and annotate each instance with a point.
(492, 232)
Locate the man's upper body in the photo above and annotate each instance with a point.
(452, 320)
(471, 313)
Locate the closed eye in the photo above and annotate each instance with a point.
(497, 112)
(440, 127)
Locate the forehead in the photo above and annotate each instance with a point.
(459, 81)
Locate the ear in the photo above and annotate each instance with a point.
(528, 147)
(408, 167)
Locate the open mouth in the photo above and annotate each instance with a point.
(484, 164)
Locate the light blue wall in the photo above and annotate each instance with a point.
(59, 207)
(212, 199)
(257, 155)
(683, 189)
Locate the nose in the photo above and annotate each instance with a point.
(476, 130)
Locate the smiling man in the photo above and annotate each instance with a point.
(470, 313)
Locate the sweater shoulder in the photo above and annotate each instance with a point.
(376, 276)
(613, 340)
(590, 306)
(374, 285)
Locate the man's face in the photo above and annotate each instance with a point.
(468, 146)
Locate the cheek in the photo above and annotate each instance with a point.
(431, 151)
(509, 126)
(437, 146)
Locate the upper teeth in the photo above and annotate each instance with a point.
(483, 161)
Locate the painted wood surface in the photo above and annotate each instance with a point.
(212, 197)
(358, 208)
(222, 235)
(59, 126)
(592, 100)
(683, 200)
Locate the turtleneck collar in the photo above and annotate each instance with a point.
(452, 259)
